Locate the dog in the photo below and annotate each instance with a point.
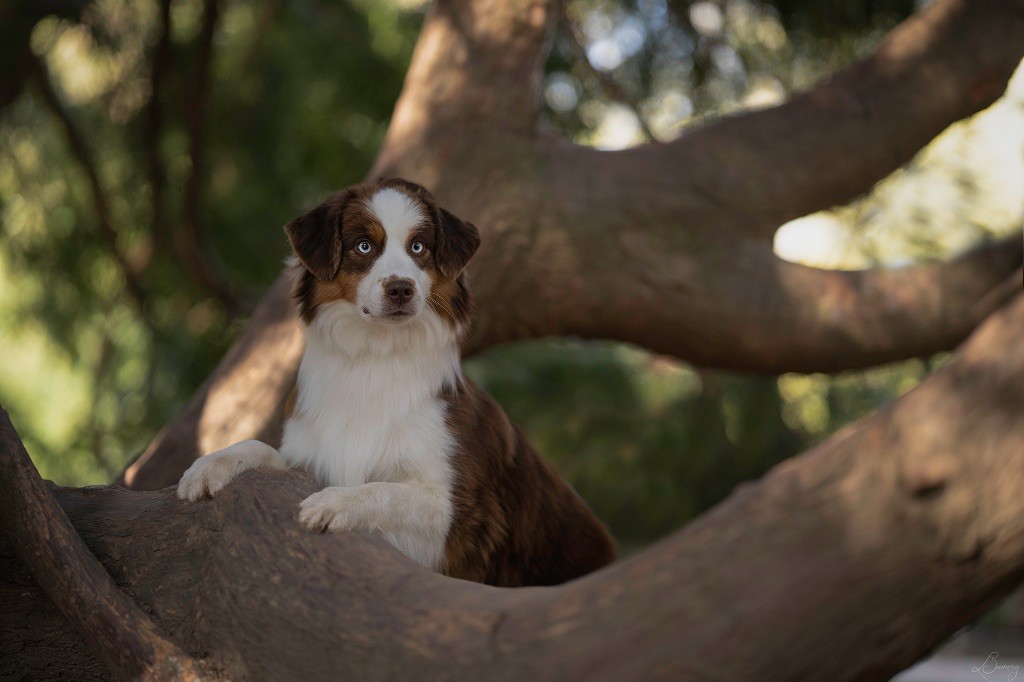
(384, 417)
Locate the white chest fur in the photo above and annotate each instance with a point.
(368, 410)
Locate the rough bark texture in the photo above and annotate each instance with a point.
(850, 562)
(43, 539)
(666, 245)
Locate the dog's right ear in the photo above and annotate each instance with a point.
(316, 237)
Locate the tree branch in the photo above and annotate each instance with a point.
(738, 307)
(475, 59)
(187, 238)
(43, 539)
(153, 130)
(862, 555)
(242, 399)
(76, 142)
(831, 144)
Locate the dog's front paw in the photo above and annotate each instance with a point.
(330, 510)
(206, 477)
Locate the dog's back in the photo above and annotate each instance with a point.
(516, 521)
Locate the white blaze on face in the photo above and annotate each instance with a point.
(399, 215)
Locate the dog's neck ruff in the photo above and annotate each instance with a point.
(368, 406)
(339, 329)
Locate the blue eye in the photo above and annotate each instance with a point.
(417, 247)
(364, 247)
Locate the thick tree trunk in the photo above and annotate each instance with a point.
(667, 245)
(850, 562)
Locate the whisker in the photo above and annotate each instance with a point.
(441, 302)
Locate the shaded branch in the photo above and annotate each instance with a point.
(826, 147)
(580, 253)
(748, 310)
(877, 540)
(476, 60)
(242, 399)
(679, 232)
(153, 128)
(44, 540)
(194, 259)
(76, 142)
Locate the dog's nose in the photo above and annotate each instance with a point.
(400, 291)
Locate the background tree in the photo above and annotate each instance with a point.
(692, 275)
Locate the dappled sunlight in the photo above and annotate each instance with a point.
(967, 186)
(105, 376)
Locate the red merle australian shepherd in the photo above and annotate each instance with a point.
(383, 417)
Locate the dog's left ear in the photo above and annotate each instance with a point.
(457, 242)
(316, 237)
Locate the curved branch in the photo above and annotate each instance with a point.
(477, 60)
(44, 540)
(831, 144)
(863, 555)
(571, 251)
(754, 312)
(242, 399)
(679, 231)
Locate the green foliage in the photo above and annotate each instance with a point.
(298, 102)
(651, 443)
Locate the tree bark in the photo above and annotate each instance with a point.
(849, 562)
(43, 539)
(244, 397)
(667, 246)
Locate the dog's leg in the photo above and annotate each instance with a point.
(421, 508)
(209, 474)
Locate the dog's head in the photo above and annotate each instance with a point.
(386, 248)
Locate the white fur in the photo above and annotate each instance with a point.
(398, 215)
(209, 474)
(368, 421)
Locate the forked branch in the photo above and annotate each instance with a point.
(665, 245)
(44, 540)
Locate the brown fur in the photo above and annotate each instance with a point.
(515, 521)
(324, 241)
